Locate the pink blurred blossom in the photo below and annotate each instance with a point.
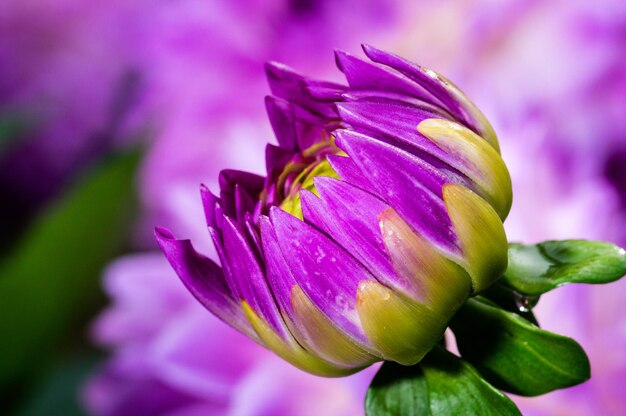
(172, 357)
(69, 83)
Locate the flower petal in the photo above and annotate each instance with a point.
(312, 329)
(288, 84)
(204, 279)
(395, 120)
(246, 278)
(408, 184)
(229, 179)
(276, 158)
(281, 119)
(441, 284)
(306, 323)
(445, 91)
(363, 75)
(476, 159)
(350, 216)
(209, 203)
(292, 352)
(319, 334)
(326, 273)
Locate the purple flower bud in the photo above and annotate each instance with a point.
(380, 214)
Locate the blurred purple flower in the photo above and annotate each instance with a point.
(171, 357)
(68, 85)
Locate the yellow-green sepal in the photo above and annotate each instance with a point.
(401, 329)
(315, 332)
(478, 160)
(480, 233)
(290, 350)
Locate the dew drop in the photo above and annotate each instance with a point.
(525, 303)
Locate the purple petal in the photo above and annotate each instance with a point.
(349, 171)
(247, 279)
(296, 127)
(252, 231)
(281, 118)
(229, 179)
(215, 231)
(363, 75)
(397, 123)
(408, 184)
(311, 128)
(276, 158)
(203, 278)
(251, 182)
(209, 202)
(244, 203)
(380, 96)
(324, 92)
(279, 276)
(451, 98)
(288, 84)
(351, 217)
(429, 80)
(327, 274)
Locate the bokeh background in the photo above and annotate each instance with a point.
(112, 113)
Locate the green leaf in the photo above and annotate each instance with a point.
(50, 284)
(456, 388)
(441, 384)
(515, 355)
(398, 390)
(536, 269)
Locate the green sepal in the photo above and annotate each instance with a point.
(537, 269)
(441, 384)
(515, 355)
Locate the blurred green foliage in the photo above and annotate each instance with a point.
(59, 392)
(50, 280)
(12, 128)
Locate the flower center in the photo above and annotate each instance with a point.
(299, 173)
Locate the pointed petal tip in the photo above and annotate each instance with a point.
(264, 224)
(162, 233)
(371, 51)
(275, 214)
(340, 58)
(367, 49)
(207, 195)
(276, 70)
(272, 101)
(273, 67)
